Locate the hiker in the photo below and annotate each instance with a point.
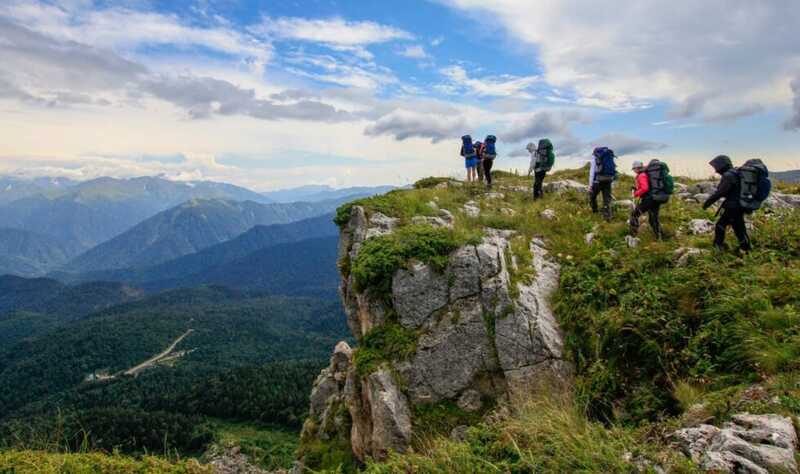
(470, 157)
(489, 153)
(602, 172)
(542, 159)
(744, 190)
(650, 191)
(479, 152)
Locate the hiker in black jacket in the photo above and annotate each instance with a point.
(732, 212)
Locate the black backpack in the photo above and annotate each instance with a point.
(660, 181)
(754, 184)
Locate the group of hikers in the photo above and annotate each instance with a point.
(742, 189)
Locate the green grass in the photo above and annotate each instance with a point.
(266, 447)
(38, 462)
(652, 343)
(390, 342)
(545, 435)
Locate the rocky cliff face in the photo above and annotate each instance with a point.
(482, 335)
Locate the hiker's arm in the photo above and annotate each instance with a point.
(725, 185)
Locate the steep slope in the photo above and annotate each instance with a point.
(189, 228)
(306, 268)
(27, 254)
(255, 239)
(458, 299)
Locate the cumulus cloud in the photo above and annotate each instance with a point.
(543, 123)
(793, 122)
(405, 124)
(716, 50)
(414, 51)
(334, 31)
(458, 80)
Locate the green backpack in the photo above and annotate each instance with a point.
(546, 146)
(662, 185)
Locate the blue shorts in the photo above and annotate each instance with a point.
(471, 162)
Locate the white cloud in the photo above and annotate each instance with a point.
(719, 50)
(542, 123)
(497, 86)
(793, 122)
(126, 30)
(332, 31)
(405, 124)
(415, 51)
(437, 41)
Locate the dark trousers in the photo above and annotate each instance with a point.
(605, 188)
(652, 208)
(735, 219)
(538, 181)
(487, 170)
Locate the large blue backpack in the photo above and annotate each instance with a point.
(606, 168)
(489, 151)
(754, 184)
(467, 150)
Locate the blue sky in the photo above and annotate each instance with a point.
(275, 94)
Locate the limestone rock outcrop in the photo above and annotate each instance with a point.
(484, 335)
(752, 444)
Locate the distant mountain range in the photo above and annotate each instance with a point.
(192, 267)
(314, 193)
(56, 224)
(792, 176)
(189, 228)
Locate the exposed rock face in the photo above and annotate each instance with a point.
(564, 185)
(749, 444)
(478, 341)
(701, 226)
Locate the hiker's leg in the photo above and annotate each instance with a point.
(606, 188)
(593, 191)
(487, 171)
(480, 170)
(538, 177)
(633, 222)
(653, 217)
(719, 228)
(740, 230)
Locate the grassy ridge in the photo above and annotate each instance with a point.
(38, 462)
(655, 344)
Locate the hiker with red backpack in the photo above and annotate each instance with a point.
(654, 185)
(602, 173)
(488, 155)
(744, 190)
(470, 157)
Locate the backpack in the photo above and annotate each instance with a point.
(479, 148)
(606, 169)
(661, 183)
(489, 151)
(754, 184)
(467, 150)
(545, 149)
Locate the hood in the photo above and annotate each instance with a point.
(531, 147)
(721, 164)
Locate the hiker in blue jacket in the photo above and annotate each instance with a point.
(602, 172)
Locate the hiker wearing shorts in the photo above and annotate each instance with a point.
(470, 158)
